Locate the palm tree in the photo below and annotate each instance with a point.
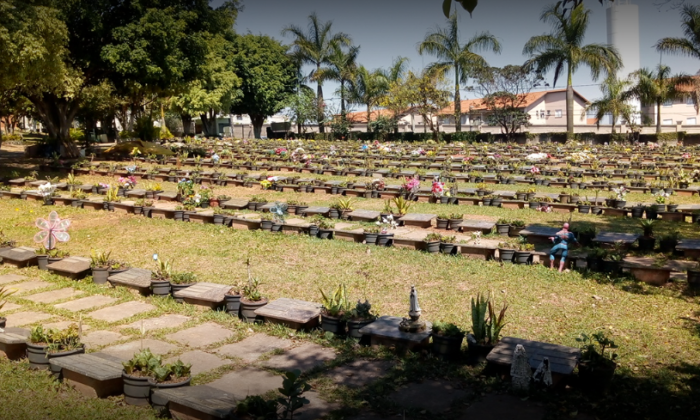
(341, 68)
(315, 47)
(367, 89)
(461, 59)
(394, 76)
(689, 46)
(614, 101)
(563, 49)
(657, 87)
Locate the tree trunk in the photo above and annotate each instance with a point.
(342, 100)
(186, 124)
(257, 121)
(319, 101)
(209, 123)
(458, 103)
(570, 105)
(658, 117)
(369, 115)
(58, 114)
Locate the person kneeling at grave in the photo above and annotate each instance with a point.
(561, 240)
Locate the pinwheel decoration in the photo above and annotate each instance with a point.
(52, 230)
(279, 210)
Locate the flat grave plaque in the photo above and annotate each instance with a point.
(133, 278)
(293, 313)
(196, 402)
(236, 204)
(13, 343)
(136, 193)
(93, 375)
(265, 208)
(19, 257)
(167, 196)
(476, 226)
(562, 359)
(418, 219)
(690, 247)
(210, 295)
(385, 331)
(612, 237)
(72, 267)
(364, 215)
(310, 211)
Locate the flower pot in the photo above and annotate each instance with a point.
(668, 245)
(77, 203)
(233, 304)
(596, 210)
(478, 352)
(503, 229)
(486, 202)
(442, 223)
(160, 287)
(266, 225)
(506, 255)
(522, 257)
(218, 219)
(584, 209)
(447, 347)
(179, 215)
(354, 328)
(57, 370)
(455, 224)
(514, 231)
(564, 198)
(672, 207)
(637, 212)
(176, 288)
(277, 227)
(36, 353)
(496, 202)
(659, 207)
(533, 205)
(333, 324)
(313, 230)
(646, 243)
(42, 261)
(612, 267)
(248, 308)
(159, 403)
(447, 248)
(385, 239)
(596, 379)
(325, 233)
(100, 274)
(334, 214)
(433, 247)
(444, 200)
(694, 279)
(620, 204)
(371, 238)
(137, 390)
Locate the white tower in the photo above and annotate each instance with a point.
(623, 34)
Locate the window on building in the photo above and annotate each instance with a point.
(668, 122)
(557, 113)
(689, 100)
(239, 117)
(691, 121)
(668, 103)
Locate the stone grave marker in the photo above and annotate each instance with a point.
(612, 237)
(167, 196)
(19, 257)
(310, 211)
(196, 402)
(13, 343)
(293, 313)
(482, 226)
(418, 219)
(72, 267)
(690, 247)
(210, 295)
(385, 331)
(235, 204)
(364, 215)
(133, 278)
(93, 375)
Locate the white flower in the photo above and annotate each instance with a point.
(155, 257)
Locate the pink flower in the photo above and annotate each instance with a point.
(534, 170)
(686, 156)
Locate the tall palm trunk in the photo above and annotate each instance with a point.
(570, 106)
(658, 117)
(458, 103)
(369, 114)
(319, 100)
(342, 99)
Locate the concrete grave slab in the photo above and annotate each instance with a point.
(11, 278)
(101, 338)
(165, 321)
(612, 237)
(133, 278)
(127, 350)
(476, 226)
(88, 302)
(201, 361)
(305, 357)
(210, 295)
(293, 313)
(364, 215)
(359, 373)
(54, 295)
(93, 375)
(121, 311)
(385, 331)
(253, 347)
(433, 396)
(29, 285)
(26, 318)
(71, 267)
(247, 381)
(201, 335)
(13, 343)
(196, 402)
(19, 257)
(418, 219)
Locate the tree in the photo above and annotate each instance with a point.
(268, 76)
(394, 98)
(13, 107)
(341, 68)
(215, 90)
(505, 93)
(426, 94)
(315, 46)
(563, 48)
(368, 89)
(300, 108)
(614, 101)
(470, 5)
(659, 86)
(460, 59)
(688, 46)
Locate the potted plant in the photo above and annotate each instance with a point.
(232, 299)
(137, 377)
(100, 264)
(447, 340)
(515, 227)
(443, 221)
(4, 293)
(647, 241)
(42, 258)
(360, 316)
(456, 220)
(506, 251)
(251, 300)
(384, 238)
(168, 376)
(597, 365)
(325, 228)
(447, 245)
(432, 242)
(503, 226)
(335, 308)
(524, 252)
(668, 242)
(486, 326)
(612, 263)
(44, 344)
(181, 281)
(160, 278)
(266, 221)
(371, 234)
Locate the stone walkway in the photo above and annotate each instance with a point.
(240, 366)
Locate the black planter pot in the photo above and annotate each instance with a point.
(694, 279)
(672, 207)
(146, 211)
(218, 219)
(506, 255)
(668, 245)
(334, 214)
(455, 224)
(533, 204)
(659, 207)
(496, 202)
(486, 202)
(179, 215)
(138, 210)
(277, 227)
(160, 287)
(503, 229)
(593, 264)
(385, 239)
(3, 322)
(646, 243)
(42, 261)
(612, 267)
(620, 204)
(37, 356)
(313, 230)
(595, 380)
(354, 328)
(478, 352)
(444, 200)
(447, 248)
(248, 308)
(371, 238)
(596, 210)
(325, 233)
(159, 403)
(447, 347)
(100, 274)
(57, 370)
(522, 257)
(638, 212)
(77, 203)
(333, 324)
(433, 247)
(233, 304)
(176, 288)
(584, 209)
(137, 390)
(266, 225)
(442, 223)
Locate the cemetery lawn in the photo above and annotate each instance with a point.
(657, 329)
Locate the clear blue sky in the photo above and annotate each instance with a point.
(385, 29)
